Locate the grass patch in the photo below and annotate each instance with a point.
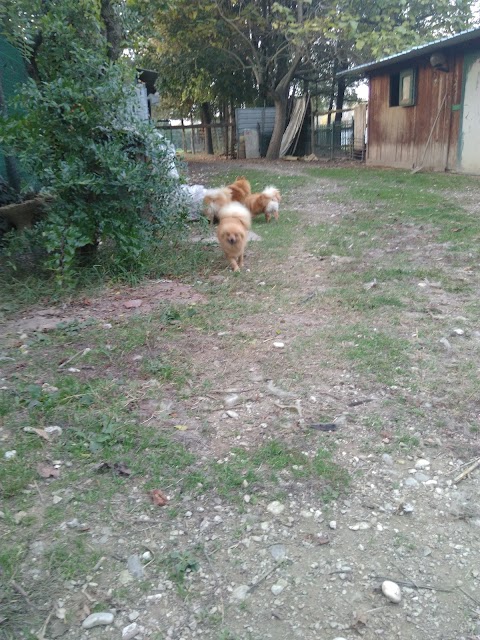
(376, 353)
(71, 559)
(246, 471)
(420, 198)
(364, 301)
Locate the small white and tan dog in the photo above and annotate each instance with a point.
(265, 202)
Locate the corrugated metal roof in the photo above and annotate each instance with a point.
(448, 41)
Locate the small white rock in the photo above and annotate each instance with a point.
(232, 414)
(276, 508)
(332, 524)
(97, 619)
(54, 430)
(130, 631)
(241, 592)
(19, 516)
(278, 587)
(10, 455)
(422, 463)
(279, 345)
(391, 591)
(231, 400)
(445, 343)
(133, 616)
(359, 526)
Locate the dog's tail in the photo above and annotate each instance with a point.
(219, 192)
(272, 192)
(237, 211)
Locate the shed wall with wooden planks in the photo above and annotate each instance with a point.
(427, 133)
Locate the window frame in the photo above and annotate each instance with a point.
(407, 98)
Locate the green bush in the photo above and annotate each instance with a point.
(112, 177)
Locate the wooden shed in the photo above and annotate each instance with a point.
(424, 106)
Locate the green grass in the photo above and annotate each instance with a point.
(246, 472)
(421, 198)
(377, 353)
(71, 559)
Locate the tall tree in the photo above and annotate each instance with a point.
(186, 44)
(272, 39)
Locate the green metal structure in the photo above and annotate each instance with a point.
(13, 73)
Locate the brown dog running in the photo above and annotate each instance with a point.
(265, 202)
(240, 189)
(214, 200)
(232, 232)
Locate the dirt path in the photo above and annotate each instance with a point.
(289, 559)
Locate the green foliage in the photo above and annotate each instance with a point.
(112, 177)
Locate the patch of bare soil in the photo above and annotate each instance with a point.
(115, 304)
(287, 564)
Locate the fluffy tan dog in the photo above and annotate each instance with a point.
(240, 189)
(232, 232)
(214, 200)
(265, 202)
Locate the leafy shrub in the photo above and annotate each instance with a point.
(112, 176)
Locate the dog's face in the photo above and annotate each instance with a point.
(232, 236)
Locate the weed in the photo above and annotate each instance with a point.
(10, 558)
(71, 559)
(178, 565)
(408, 441)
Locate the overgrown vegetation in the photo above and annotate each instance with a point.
(113, 181)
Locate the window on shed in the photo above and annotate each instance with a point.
(394, 89)
(402, 88)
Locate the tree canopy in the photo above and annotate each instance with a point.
(256, 52)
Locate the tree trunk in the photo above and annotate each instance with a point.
(206, 120)
(113, 29)
(280, 100)
(32, 65)
(280, 97)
